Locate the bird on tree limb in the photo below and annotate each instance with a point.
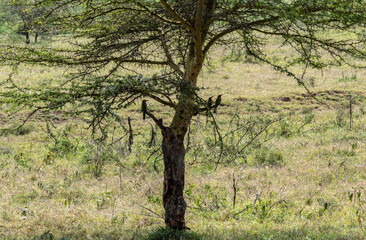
(176, 37)
(217, 102)
(209, 102)
(144, 108)
(208, 106)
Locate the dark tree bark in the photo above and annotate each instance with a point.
(173, 200)
(178, 36)
(174, 162)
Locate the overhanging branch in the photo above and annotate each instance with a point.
(157, 15)
(177, 16)
(243, 26)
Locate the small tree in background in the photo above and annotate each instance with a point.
(28, 14)
(126, 50)
(7, 19)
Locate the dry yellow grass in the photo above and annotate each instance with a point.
(322, 164)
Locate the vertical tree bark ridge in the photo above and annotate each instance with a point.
(173, 200)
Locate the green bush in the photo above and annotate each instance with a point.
(352, 78)
(22, 158)
(62, 143)
(268, 156)
(96, 154)
(17, 131)
(285, 129)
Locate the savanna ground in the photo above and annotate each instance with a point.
(290, 166)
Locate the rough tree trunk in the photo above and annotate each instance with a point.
(173, 147)
(173, 136)
(173, 201)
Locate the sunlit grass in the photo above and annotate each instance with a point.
(304, 194)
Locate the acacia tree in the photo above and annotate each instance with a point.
(127, 50)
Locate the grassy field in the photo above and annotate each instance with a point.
(290, 167)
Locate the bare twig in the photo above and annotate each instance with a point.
(235, 189)
(130, 137)
(148, 209)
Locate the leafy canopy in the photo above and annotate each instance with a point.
(119, 51)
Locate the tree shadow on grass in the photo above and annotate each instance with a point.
(322, 232)
(155, 234)
(170, 234)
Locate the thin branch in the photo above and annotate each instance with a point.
(258, 134)
(151, 211)
(236, 28)
(177, 16)
(38, 56)
(157, 15)
(225, 13)
(170, 58)
(156, 98)
(158, 122)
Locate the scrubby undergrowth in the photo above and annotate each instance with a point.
(288, 167)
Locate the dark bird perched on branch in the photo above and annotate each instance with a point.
(217, 102)
(209, 102)
(144, 109)
(209, 106)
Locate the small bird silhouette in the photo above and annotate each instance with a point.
(144, 108)
(217, 102)
(209, 102)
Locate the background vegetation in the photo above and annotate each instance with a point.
(289, 167)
